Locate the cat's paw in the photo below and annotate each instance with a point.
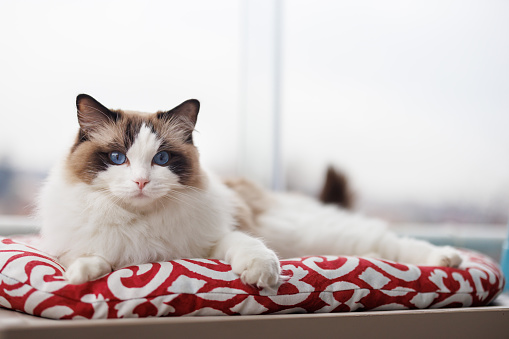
(445, 256)
(261, 271)
(85, 269)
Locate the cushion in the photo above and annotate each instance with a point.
(33, 282)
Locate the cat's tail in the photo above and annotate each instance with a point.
(336, 189)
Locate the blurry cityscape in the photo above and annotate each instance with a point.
(450, 213)
(18, 189)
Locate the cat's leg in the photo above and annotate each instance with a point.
(372, 237)
(250, 259)
(418, 252)
(87, 268)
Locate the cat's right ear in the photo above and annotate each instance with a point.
(186, 114)
(92, 114)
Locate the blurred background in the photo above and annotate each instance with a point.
(409, 99)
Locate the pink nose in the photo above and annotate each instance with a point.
(141, 182)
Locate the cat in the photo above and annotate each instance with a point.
(132, 191)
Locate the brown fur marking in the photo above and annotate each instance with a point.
(252, 201)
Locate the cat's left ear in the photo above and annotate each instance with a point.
(186, 114)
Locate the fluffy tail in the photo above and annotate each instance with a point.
(336, 189)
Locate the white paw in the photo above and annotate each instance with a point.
(87, 268)
(261, 271)
(445, 256)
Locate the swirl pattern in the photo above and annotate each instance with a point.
(33, 282)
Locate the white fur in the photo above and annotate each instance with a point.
(121, 180)
(86, 226)
(112, 223)
(84, 269)
(249, 259)
(296, 225)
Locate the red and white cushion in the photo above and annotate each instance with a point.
(32, 282)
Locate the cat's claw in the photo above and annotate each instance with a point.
(445, 256)
(263, 271)
(86, 268)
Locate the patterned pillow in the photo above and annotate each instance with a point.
(32, 282)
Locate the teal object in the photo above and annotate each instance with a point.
(505, 260)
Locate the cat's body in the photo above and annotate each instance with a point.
(132, 191)
(82, 221)
(296, 225)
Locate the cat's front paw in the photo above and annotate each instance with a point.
(85, 269)
(445, 256)
(261, 271)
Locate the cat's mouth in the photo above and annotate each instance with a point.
(141, 198)
(141, 195)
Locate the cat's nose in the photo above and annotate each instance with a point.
(141, 182)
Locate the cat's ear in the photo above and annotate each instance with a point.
(185, 114)
(92, 114)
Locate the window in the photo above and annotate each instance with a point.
(408, 98)
(134, 55)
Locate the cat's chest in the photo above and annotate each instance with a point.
(150, 238)
(165, 226)
(186, 228)
(172, 233)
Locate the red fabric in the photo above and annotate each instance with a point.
(32, 282)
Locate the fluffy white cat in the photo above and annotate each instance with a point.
(132, 191)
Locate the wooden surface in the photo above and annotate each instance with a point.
(481, 322)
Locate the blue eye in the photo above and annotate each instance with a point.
(161, 158)
(117, 158)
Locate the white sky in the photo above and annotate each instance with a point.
(411, 98)
(139, 55)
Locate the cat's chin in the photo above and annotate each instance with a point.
(141, 201)
(137, 200)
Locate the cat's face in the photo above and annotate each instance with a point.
(135, 158)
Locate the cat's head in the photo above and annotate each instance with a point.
(134, 157)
